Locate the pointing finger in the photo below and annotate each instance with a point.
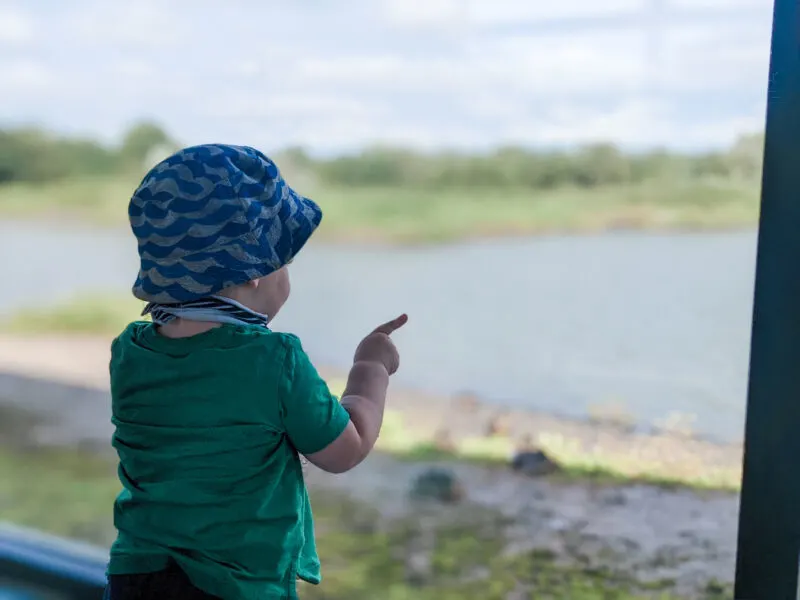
(392, 326)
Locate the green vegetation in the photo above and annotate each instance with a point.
(99, 201)
(30, 155)
(106, 315)
(406, 215)
(89, 314)
(397, 195)
(365, 555)
(33, 156)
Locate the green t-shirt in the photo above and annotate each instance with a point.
(208, 431)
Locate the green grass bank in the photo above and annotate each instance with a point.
(405, 215)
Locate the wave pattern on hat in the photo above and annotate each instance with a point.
(214, 216)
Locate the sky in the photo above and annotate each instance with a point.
(338, 75)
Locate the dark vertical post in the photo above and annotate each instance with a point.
(769, 519)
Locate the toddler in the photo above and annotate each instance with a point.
(212, 410)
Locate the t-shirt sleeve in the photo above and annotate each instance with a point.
(312, 416)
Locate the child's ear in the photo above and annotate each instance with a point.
(253, 283)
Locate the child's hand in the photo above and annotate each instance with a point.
(378, 346)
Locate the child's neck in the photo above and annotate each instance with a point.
(182, 328)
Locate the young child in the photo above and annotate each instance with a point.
(212, 409)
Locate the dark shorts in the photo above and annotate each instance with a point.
(169, 584)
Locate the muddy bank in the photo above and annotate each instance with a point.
(649, 533)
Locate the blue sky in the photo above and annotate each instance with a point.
(339, 75)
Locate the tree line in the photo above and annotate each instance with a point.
(34, 156)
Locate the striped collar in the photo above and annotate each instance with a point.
(217, 309)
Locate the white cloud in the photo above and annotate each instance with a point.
(522, 11)
(352, 133)
(24, 76)
(704, 58)
(537, 66)
(570, 64)
(638, 123)
(437, 13)
(16, 27)
(247, 68)
(292, 105)
(140, 24)
(134, 68)
(723, 5)
(376, 70)
(459, 13)
(406, 72)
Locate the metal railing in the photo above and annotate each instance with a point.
(46, 566)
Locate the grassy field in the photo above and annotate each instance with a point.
(401, 215)
(364, 555)
(106, 315)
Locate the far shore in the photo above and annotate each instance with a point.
(397, 215)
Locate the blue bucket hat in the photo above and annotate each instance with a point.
(213, 216)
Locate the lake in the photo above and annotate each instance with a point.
(655, 324)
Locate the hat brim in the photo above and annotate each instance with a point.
(204, 274)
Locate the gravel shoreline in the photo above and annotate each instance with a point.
(681, 537)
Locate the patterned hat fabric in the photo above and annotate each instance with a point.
(214, 216)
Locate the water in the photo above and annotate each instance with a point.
(657, 324)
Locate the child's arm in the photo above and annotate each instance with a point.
(337, 436)
(364, 398)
